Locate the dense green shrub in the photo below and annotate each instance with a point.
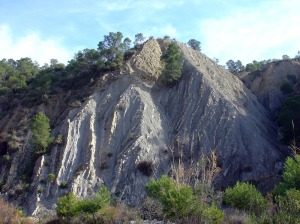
(40, 128)
(69, 206)
(173, 59)
(286, 210)
(4, 90)
(288, 207)
(51, 177)
(177, 199)
(63, 185)
(291, 176)
(100, 200)
(245, 196)
(289, 119)
(212, 214)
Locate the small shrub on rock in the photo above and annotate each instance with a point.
(173, 59)
(51, 177)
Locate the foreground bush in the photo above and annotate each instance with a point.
(291, 175)
(179, 202)
(69, 206)
(177, 199)
(246, 197)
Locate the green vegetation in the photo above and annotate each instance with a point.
(173, 60)
(183, 196)
(194, 44)
(285, 208)
(69, 206)
(289, 119)
(51, 177)
(111, 51)
(177, 199)
(245, 196)
(235, 67)
(139, 40)
(41, 132)
(291, 176)
(14, 75)
(63, 185)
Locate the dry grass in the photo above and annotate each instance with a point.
(196, 173)
(10, 215)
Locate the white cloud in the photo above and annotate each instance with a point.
(31, 45)
(257, 34)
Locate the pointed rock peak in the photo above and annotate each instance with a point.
(147, 63)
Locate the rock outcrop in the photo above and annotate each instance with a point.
(131, 128)
(266, 85)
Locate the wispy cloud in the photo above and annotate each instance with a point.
(31, 45)
(253, 34)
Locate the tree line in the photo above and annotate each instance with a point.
(256, 66)
(16, 76)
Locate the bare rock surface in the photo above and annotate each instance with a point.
(131, 130)
(266, 85)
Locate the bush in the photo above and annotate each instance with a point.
(245, 196)
(116, 214)
(59, 139)
(291, 176)
(213, 215)
(289, 119)
(69, 206)
(173, 59)
(177, 199)
(63, 185)
(100, 200)
(286, 210)
(288, 207)
(151, 209)
(51, 177)
(4, 90)
(41, 132)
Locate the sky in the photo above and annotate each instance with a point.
(243, 30)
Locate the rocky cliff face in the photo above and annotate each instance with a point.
(266, 85)
(131, 128)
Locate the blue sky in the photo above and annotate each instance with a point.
(227, 29)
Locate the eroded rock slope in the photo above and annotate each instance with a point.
(267, 84)
(132, 128)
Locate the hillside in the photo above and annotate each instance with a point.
(128, 127)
